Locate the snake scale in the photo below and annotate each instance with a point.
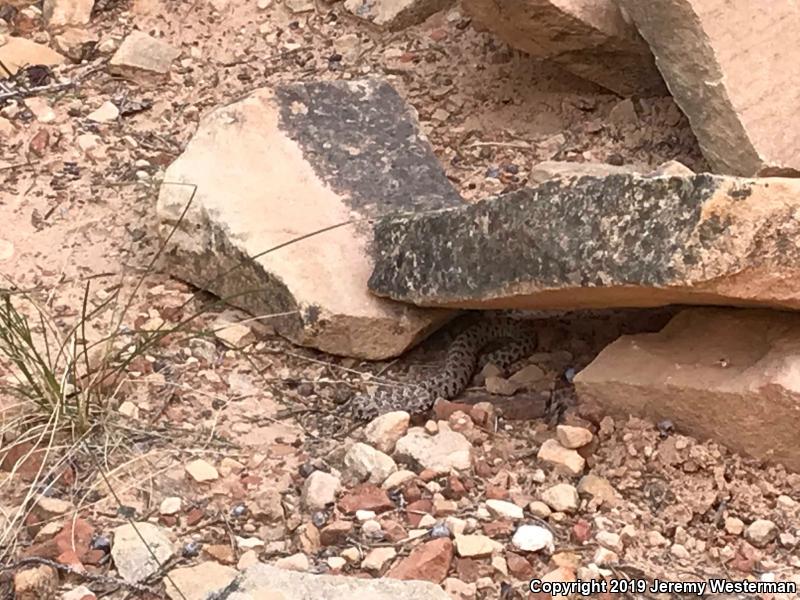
(463, 359)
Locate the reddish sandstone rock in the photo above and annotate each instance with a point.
(429, 562)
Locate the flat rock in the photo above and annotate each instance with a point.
(724, 374)
(589, 38)
(266, 582)
(142, 55)
(201, 470)
(198, 582)
(320, 489)
(58, 13)
(366, 463)
(384, 431)
(287, 162)
(475, 545)
(441, 453)
(743, 114)
(427, 562)
(570, 436)
(19, 52)
(135, 559)
(561, 497)
(564, 460)
(395, 14)
(599, 488)
(618, 241)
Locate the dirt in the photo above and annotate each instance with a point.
(81, 225)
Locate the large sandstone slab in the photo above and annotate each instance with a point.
(622, 240)
(285, 163)
(724, 374)
(18, 52)
(589, 38)
(732, 67)
(265, 582)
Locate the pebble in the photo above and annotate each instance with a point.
(336, 563)
(427, 562)
(364, 462)
(503, 509)
(561, 497)
(598, 488)
(107, 112)
(377, 558)
(441, 452)
(474, 545)
(398, 478)
(532, 538)
(79, 593)
(371, 527)
(201, 471)
(573, 437)
(565, 460)
(319, 490)
(761, 532)
(351, 554)
(295, 562)
(139, 550)
(609, 540)
(734, 526)
(384, 431)
(603, 557)
(365, 515)
(679, 551)
(539, 509)
(170, 506)
(459, 590)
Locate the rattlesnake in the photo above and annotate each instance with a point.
(463, 359)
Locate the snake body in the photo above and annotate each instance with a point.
(462, 361)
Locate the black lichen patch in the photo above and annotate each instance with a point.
(362, 140)
(616, 230)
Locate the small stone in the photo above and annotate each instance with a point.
(365, 496)
(201, 471)
(377, 558)
(761, 532)
(573, 437)
(351, 555)
(539, 509)
(384, 431)
(204, 580)
(431, 427)
(679, 551)
(564, 460)
(655, 539)
(295, 562)
(364, 515)
(785, 502)
(459, 590)
(371, 527)
(335, 533)
(135, 557)
(366, 463)
(141, 54)
(398, 478)
(442, 452)
(604, 556)
(623, 113)
(519, 567)
(527, 376)
(503, 509)
(609, 540)
(170, 505)
(222, 553)
(319, 490)
(234, 335)
(129, 410)
(599, 488)
(36, 582)
(734, 526)
(107, 112)
(500, 565)
(336, 563)
(561, 497)
(79, 593)
(49, 507)
(474, 545)
(41, 110)
(247, 560)
(58, 13)
(501, 386)
(532, 538)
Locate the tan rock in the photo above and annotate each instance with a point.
(377, 558)
(589, 38)
(474, 545)
(573, 437)
(743, 114)
(201, 470)
(255, 159)
(598, 488)
(565, 460)
(561, 497)
(35, 583)
(623, 240)
(58, 13)
(725, 374)
(141, 55)
(20, 52)
(384, 431)
(199, 581)
(552, 169)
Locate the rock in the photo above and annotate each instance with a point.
(136, 559)
(384, 431)
(58, 13)
(75, 42)
(366, 463)
(532, 538)
(395, 14)
(539, 509)
(591, 39)
(41, 109)
(474, 545)
(503, 509)
(734, 526)
(459, 590)
(336, 563)
(365, 497)
(672, 168)
(377, 558)
(397, 479)
(50, 508)
(554, 169)
(761, 532)
(78, 593)
(233, 335)
(527, 376)
(319, 490)
(107, 112)
(35, 583)
(563, 459)
(295, 562)
(741, 363)
(322, 138)
(501, 386)
(199, 581)
(561, 497)
(266, 582)
(610, 540)
(18, 52)
(623, 114)
(743, 115)
(598, 488)
(201, 471)
(665, 240)
(170, 506)
(573, 437)
(442, 452)
(141, 56)
(427, 562)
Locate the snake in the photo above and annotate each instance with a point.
(464, 358)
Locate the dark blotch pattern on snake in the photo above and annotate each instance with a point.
(463, 360)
